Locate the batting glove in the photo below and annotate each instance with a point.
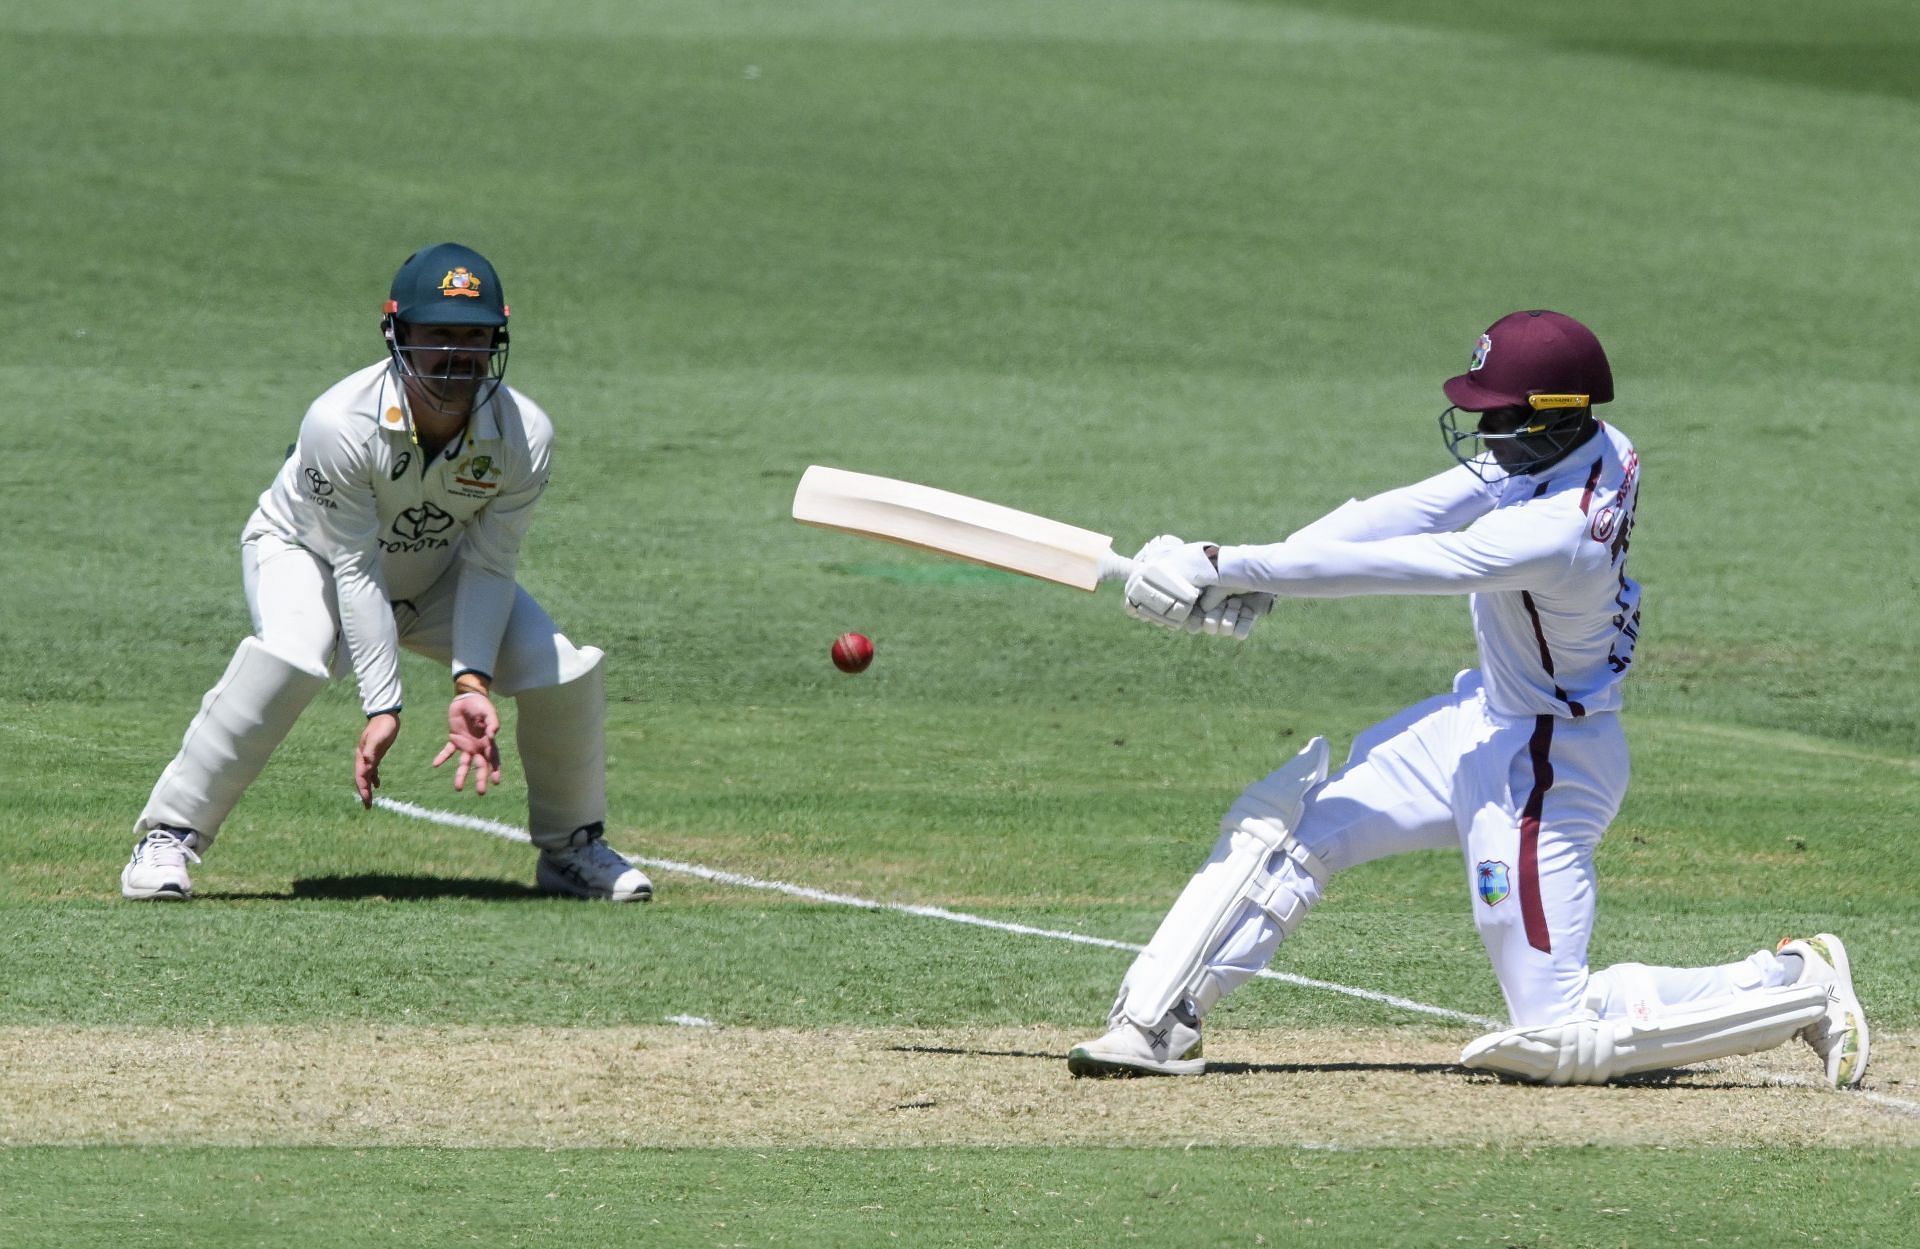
(1220, 614)
(1167, 580)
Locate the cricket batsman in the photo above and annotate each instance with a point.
(1522, 765)
(397, 521)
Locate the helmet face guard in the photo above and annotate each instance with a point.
(430, 370)
(1546, 428)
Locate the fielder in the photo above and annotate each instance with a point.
(1523, 765)
(397, 521)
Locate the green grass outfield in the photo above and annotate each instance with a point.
(1007, 1197)
(1192, 266)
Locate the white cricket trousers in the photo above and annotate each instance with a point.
(1526, 799)
(561, 729)
(296, 614)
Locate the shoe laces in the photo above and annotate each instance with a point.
(587, 848)
(599, 854)
(164, 847)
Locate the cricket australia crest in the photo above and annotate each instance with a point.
(476, 476)
(459, 282)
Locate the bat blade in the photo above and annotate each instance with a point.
(946, 523)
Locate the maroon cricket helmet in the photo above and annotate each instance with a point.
(1532, 353)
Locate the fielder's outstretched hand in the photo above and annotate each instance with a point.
(375, 740)
(472, 729)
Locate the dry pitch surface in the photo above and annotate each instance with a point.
(690, 1086)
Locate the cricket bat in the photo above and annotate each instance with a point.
(954, 524)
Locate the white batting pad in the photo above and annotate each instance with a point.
(241, 721)
(1253, 864)
(562, 738)
(1593, 1051)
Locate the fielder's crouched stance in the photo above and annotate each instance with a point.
(397, 521)
(1523, 765)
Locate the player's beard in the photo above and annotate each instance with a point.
(456, 388)
(453, 395)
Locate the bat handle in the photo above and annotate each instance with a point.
(1114, 567)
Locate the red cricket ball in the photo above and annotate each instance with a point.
(852, 652)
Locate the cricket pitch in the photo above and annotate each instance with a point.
(664, 1086)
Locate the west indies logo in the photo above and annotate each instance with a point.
(1481, 350)
(1495, 882)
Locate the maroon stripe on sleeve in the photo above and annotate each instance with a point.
(1533, 911)
(1593, 479)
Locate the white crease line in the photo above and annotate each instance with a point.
(717, 876)
(1899, 1104)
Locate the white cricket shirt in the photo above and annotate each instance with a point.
(1544, 557)
(358, 493)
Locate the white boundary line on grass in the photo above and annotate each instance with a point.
(456, 820)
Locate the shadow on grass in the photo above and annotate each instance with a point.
(1286, 1069)
(1213, 1068)
(1676, 1079)
(386, 888)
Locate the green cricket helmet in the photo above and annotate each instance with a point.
(446, 284)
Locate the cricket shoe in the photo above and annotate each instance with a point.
(1169, 1048)
(1839, 1036)
(158, 868)
(587, 867)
